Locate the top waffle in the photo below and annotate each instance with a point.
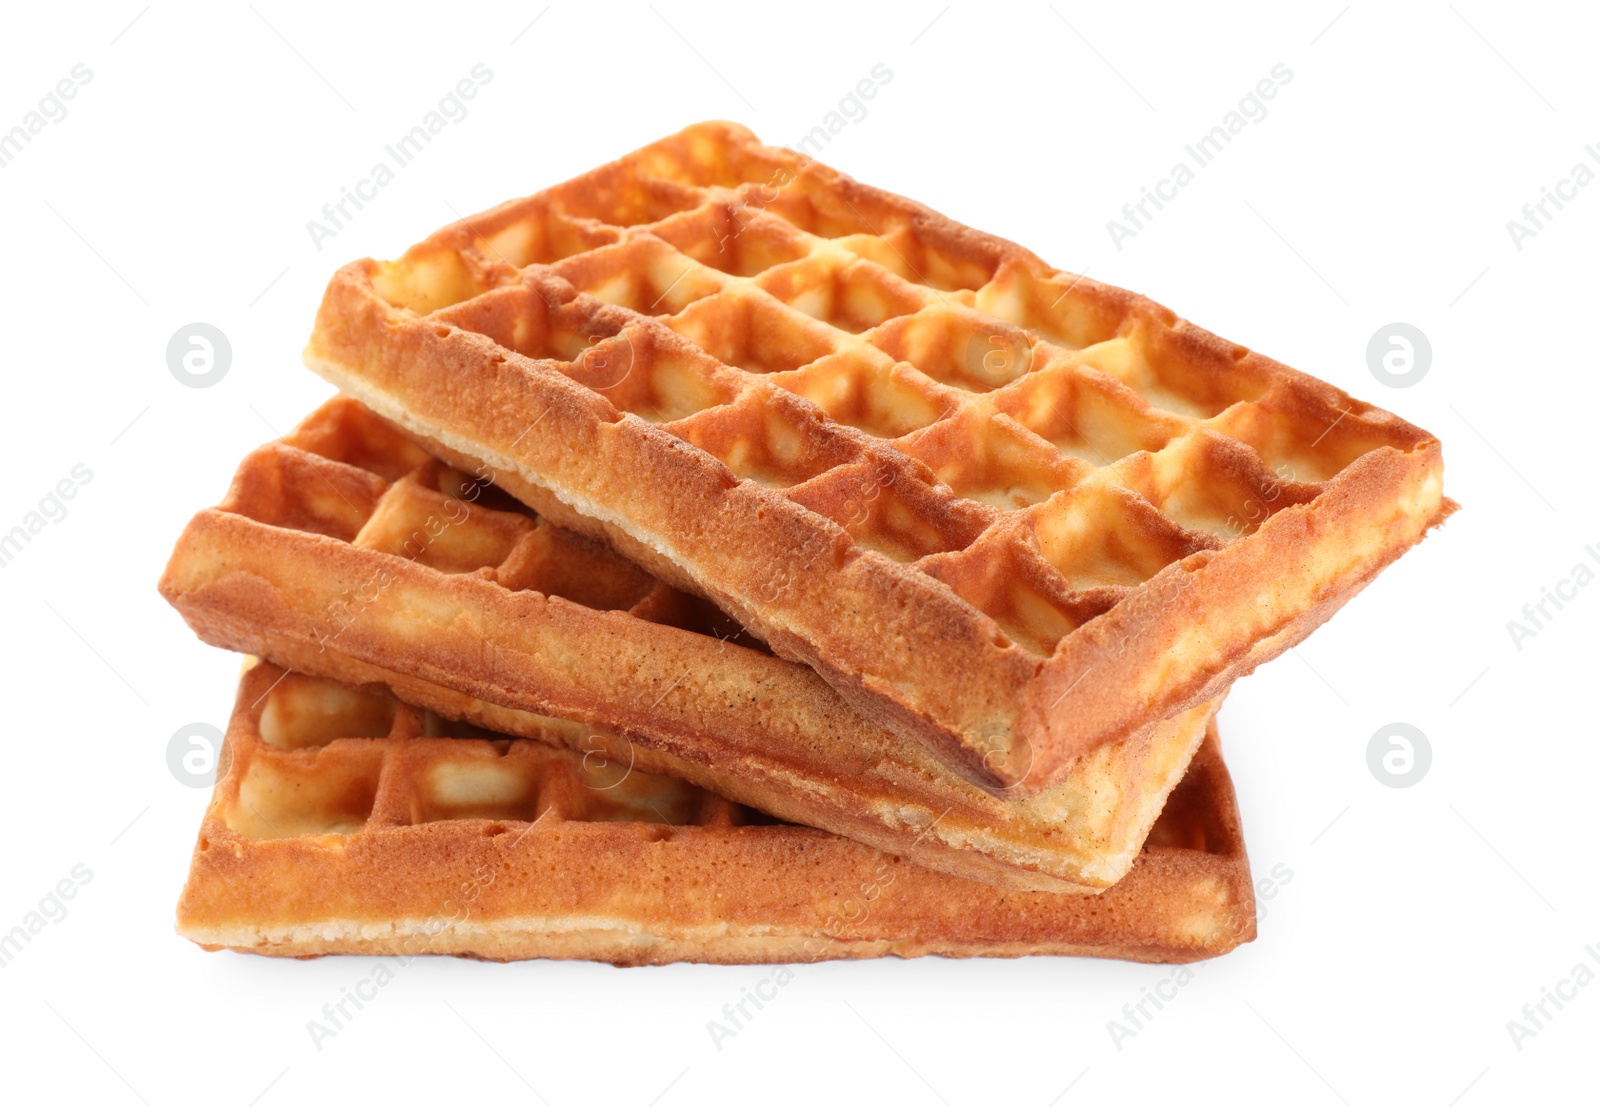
(1009, 511)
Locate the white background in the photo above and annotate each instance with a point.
(1418, 921)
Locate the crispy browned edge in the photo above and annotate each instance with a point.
(751, 727)
(888, 640)
(635, 893)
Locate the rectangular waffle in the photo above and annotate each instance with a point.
(347, 822)
(346, 552)
(894, 448)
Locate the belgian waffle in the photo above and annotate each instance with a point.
(345, 551)
(348, 822)
(896, 449)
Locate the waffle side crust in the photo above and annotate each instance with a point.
(345, 551)
(894, 448)
(349, 823)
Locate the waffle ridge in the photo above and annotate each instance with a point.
(345, 821)
(347, 552)
(893, 447)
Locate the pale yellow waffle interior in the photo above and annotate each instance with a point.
(311, 759)
(324, 759)
(347, 473)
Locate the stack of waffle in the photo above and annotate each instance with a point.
(713, 558)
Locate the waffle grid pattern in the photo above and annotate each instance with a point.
(347, 552)
(1039, 444)
(346, 821)
(327, 759)
(346, 474)
(1059, 467)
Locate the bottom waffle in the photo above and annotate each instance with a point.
(346, 822)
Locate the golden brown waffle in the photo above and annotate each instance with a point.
(348, 822)
(1012, 512)
(345, 551)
